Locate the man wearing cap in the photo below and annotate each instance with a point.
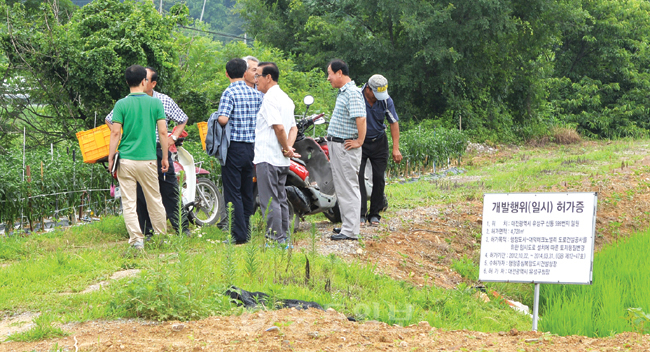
(345, 136)
(375, 147)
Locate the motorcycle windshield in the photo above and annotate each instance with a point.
(316, 163)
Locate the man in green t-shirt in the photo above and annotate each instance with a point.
(138, 115)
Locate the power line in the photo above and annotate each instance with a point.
(215, 33)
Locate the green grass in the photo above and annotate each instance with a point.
(620, 282)
(43, 330)
(524, 170)
(184, 279)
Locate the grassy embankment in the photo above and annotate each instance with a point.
(184, 278)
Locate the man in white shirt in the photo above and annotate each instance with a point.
(275, 134)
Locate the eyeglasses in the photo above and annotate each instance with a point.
(257, 76)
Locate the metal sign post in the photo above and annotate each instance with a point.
(536, 307)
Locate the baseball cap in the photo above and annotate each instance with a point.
(379, 86)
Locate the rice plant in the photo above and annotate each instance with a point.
(620, 282)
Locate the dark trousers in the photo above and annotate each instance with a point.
(273, 198)
(237, 177)
(170, 195)
(377, 152)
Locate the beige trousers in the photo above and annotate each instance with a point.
(144, 172)
(345, 172)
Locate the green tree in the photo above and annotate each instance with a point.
(503, 69)
(601, 75)
(63, 9)
(203, 79)
(446, 60)
(69, 73)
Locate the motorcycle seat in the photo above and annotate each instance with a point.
(299, 161)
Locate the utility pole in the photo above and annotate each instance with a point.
(202, 10)
(160, 9)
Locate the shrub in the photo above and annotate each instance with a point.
(565, 135)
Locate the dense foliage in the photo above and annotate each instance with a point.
(55, 184)
(65, 77)
(65, 73)
(426, 149)
(503, 69)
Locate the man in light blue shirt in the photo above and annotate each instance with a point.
(345, 135)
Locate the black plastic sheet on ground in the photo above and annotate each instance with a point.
(253, 299)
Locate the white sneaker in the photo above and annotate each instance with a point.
(139, 245)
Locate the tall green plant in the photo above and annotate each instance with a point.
(620, 282)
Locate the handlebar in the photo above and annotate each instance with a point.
(307, 122)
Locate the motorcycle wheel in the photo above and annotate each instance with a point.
(209, 206)
(333, 214)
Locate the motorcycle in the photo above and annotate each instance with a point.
(309, 185)
(201, 198)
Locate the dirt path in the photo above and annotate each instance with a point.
(313, 330)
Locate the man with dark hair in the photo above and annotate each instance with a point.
(238, 107)
(268, 68)
(346, 134)
(379, 106)
(167, 180)
(135, 119)
(274, 136)
(339, 65)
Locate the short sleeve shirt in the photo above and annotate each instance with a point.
(138, 113)
(240, 104)
(277, 109)
(350, 105)
(172, 111)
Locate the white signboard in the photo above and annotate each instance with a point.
(538, 237)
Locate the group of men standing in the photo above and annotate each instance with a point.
(252, 133)
(355, 135)
(260, 141)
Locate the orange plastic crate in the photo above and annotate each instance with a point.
(94, 143)
(203, 131)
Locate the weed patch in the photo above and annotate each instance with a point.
(44, 329)
(565, 135)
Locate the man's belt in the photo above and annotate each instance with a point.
(374, 139)
(335, 139)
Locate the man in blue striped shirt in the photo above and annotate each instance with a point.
(346, 134)
(238, 106)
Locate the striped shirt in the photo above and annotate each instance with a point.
(350, 105)
(172, 111)
(240, 104)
